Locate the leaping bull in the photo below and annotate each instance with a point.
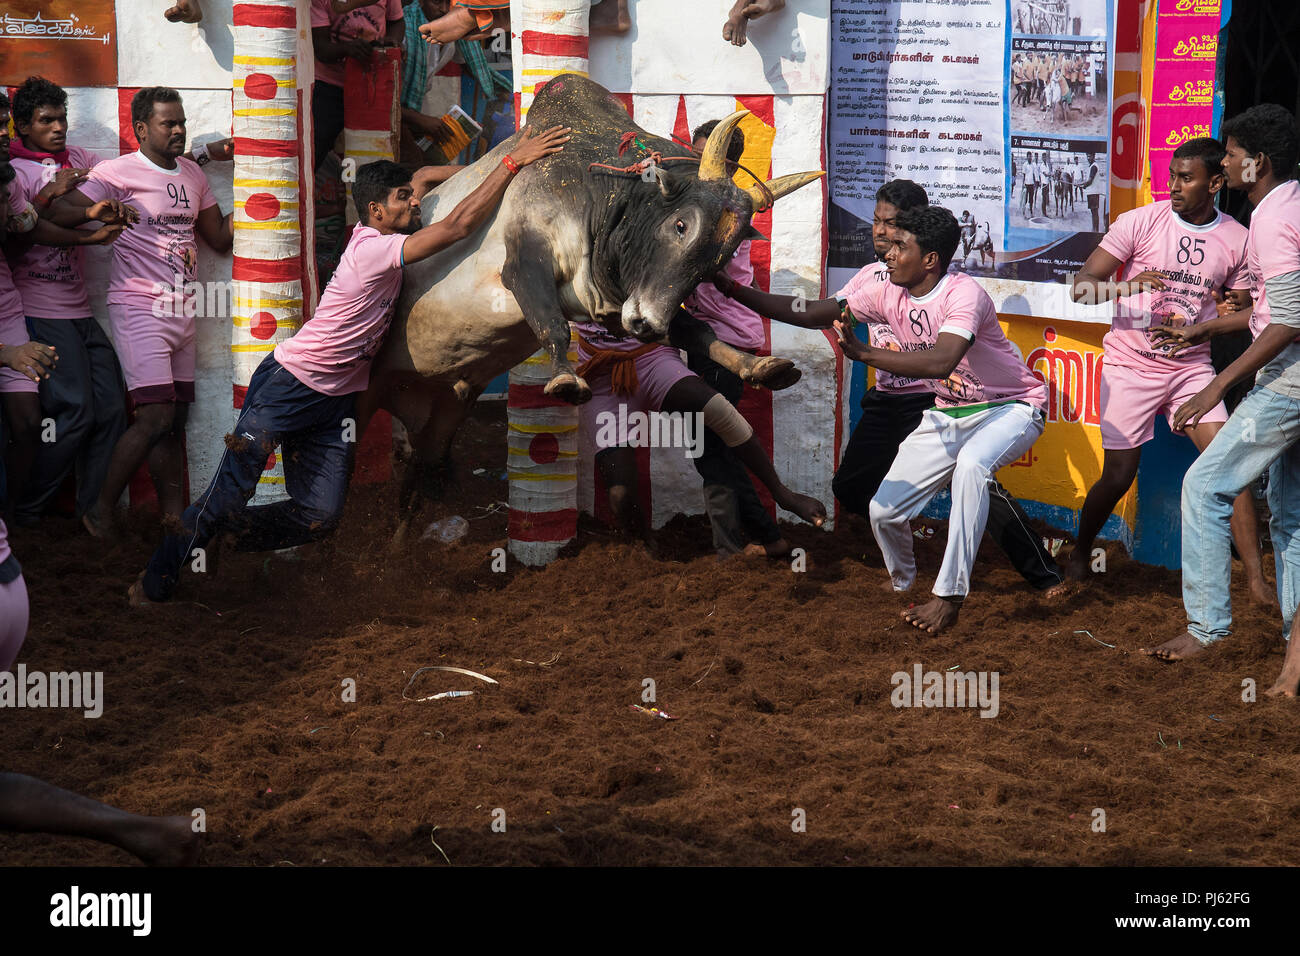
(578, 235)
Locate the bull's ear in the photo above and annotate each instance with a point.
(752, 233)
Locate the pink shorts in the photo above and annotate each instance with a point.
(13, 620)
(657, 371)
(1132, 398)
(157, 353)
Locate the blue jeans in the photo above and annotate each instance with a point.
(1263, 434)
(317, 446)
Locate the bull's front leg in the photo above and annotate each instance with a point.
(767, 371)
(529, 273)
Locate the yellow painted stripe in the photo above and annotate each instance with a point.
(265, 60)
(278, 226)
(520, 476)
(267, 303)
(283, 84)
(254, 347)
(266, 111)
(539, 429)
(284, 204)
(546, 359)
(242, 321)
(514, 450)
(271, 480)
(266, 183)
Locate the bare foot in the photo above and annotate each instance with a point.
(185, 11)
(135, 595)
(934, 616)
(1058, 592)
(100, 524)
(1261, 593)
(1076, 567)
(164, 841)
(1288, 682)
(807, 508)
(459, 23)
(568, 387)
(1176, 649)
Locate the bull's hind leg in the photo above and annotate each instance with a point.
(429, 471)
(529, 272)
(689, 333)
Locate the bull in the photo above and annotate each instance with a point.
(582, 234)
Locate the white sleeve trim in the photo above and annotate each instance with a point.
(967, 334)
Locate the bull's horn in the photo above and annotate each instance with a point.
(713, 161)
(781, 186)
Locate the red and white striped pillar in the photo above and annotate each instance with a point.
(550, 37)
(372, 117)
(268, 267)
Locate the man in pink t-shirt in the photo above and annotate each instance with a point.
(1172, 259)
(335, 36)
(303, 396)
(85, 399)
(1262, 146)
(988, 412)
(151, 282)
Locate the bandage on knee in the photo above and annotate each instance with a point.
(727, 423)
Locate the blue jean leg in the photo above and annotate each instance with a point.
(1284, 529)
(1262, 427)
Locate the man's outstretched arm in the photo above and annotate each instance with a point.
(472, 211)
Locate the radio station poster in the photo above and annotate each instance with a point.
(1182, 83)
(69, 41)
(1000, 108)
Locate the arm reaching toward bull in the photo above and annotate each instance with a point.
(790, 309)
(472, 211)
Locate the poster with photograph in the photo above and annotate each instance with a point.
(1001, 109)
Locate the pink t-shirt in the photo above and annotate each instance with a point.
(1273, 248)
(880, 334)
(990, 371)
(1197, 261)
(49, 278)
(333, 351)
(366, 23)
(158, 255)
(731, 322)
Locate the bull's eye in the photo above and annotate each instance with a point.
(680, 227)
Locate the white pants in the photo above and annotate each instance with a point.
(967, 451)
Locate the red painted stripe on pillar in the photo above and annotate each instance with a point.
(267, 270)
(245, 146)
(530, 396)
(264, 15)
(542, 525)
(553, 44)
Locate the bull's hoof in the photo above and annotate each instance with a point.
(773, 373)
(570, 388)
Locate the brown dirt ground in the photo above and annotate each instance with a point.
(229, 700)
